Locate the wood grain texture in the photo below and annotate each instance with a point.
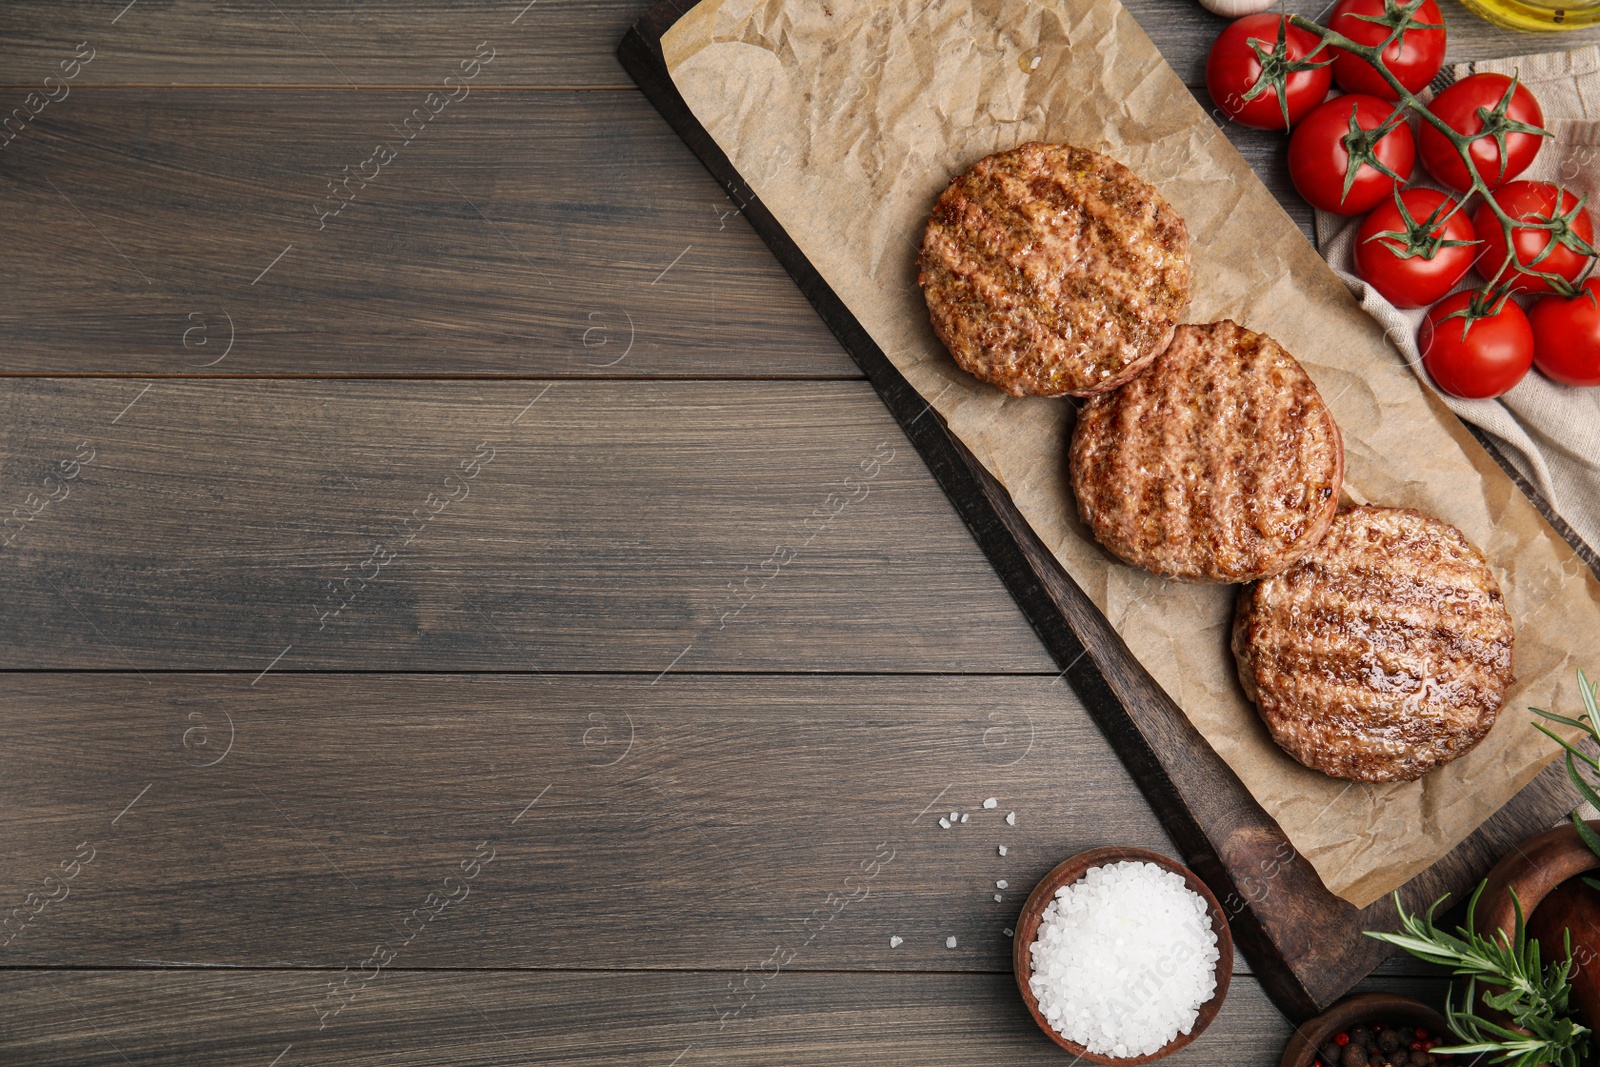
(688, 822)
(178, 232)
(634, 526)
(554, 43)
(367, 43)
(519, 234)
(523, 235)
(92, 1018)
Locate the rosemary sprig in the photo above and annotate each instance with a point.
(1532, 994)
(1590, 725)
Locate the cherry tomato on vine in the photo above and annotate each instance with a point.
(1566, 249)
(1476, 345)
(1566, 336)
(1262, 72)
(1416, 248)
(1351, 153)
(1512, 112)
(1414, 59)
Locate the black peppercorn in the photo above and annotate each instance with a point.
(1332, 1055)
(1419, 1058)
(1361, 1036)
(1353, 1055)
(1388, 1041)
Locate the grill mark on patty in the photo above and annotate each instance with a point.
(1352, 674)
(1220, 463)
(1051, 270)
(1384, 653)
(1444, 590)
(987, 264)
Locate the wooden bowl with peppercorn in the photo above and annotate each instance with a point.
(1370, 1030)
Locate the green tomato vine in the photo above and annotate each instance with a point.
(1497, 124)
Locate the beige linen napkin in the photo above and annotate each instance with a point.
(1550, 432)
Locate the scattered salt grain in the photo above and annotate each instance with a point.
(954, 815)
(1001, 884)
(965, 816)
(950, 942)
(1011, 819)
(1124, 959)
(1010, 932)
(1002, 850)
(997, 898)
(895, 941)
(992, 802)
(944, 822)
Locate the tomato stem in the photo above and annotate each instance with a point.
(1497, 124)
(1276, 67)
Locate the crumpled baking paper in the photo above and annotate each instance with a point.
(848, 117)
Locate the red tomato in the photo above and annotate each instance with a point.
(1566, 336)
(1246, 68)
(1570, 245)
(1476, 347)
(1414, 59)
(1514, 113)
(1323, 147)
(1416, 251)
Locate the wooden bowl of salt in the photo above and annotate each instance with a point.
(1070, 873)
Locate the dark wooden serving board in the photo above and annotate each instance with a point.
(1306, 945)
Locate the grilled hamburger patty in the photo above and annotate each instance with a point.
(1382, 654)
(1051, 270)
(1218, 464)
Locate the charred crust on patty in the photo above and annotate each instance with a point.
(1383, 654)
(1220, 463)
(1051, 270)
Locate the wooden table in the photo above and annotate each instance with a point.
(399, 664)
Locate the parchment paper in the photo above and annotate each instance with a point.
(848, 117)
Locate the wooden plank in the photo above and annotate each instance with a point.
(635, 526)
(1308, 946)
(367, 43)
(563, 43)
(91, 1018)
(160, 232)
(694, 821)
(149, 237)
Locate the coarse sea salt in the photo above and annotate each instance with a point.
(1124, 959)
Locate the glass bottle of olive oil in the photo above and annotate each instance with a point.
(1537, 15)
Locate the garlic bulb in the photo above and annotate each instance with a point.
(1236, 8)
